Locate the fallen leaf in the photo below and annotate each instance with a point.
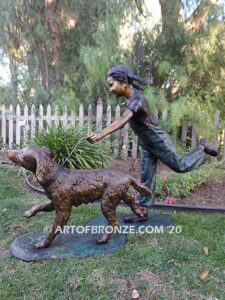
(75, 283)
(204, 274)
(176, 264)
(170, 261)
(135, 294)
(206, 250)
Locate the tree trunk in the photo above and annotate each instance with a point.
(45, 72)
(44, 59)
(170, 13)
(55, 29)
(168, 44)
(13, 51)
(13, 73)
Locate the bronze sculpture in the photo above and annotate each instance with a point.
(66, 188)
(154, 141)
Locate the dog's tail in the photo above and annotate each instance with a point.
(144, 190)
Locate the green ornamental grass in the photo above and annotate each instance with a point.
(61, 140)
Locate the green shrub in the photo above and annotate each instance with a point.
(62, 140)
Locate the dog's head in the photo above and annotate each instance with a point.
(33, 159)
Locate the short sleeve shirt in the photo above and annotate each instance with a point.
(142, 115)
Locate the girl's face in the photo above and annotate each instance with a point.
(116, 87)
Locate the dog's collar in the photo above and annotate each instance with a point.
(50, 181)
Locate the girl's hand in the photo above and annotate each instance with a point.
(94, 137)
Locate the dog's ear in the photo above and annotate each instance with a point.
(44, 164)
(48, 151)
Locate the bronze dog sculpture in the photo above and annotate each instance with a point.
(66, 188)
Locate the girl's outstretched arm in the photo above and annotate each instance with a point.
(96, 136)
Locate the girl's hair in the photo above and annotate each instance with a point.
(121, 72)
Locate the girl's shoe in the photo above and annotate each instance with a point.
(209, 148)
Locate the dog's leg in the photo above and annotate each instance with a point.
(61, 219)
(108, 207)
(47, 206)
(130, 200)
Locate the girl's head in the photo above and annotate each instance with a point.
(124, 73)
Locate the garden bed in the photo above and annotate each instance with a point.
(210, 192)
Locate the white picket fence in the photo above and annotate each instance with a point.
(17, 128)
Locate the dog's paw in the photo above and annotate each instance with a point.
(103, 239)
(40, 245)
(100, 241)
(29, 213)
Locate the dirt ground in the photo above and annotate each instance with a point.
(209, 193)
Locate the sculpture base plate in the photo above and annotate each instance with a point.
(75, 244)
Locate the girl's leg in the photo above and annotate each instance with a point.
(158, 142)
(148, 177)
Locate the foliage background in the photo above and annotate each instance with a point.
(60, 51)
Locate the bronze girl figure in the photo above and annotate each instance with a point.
(154, 141)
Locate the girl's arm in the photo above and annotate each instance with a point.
(96, 136)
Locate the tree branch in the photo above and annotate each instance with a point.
(199, 16)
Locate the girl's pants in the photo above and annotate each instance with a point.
(156, 144)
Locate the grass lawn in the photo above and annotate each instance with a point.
(158, 266)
